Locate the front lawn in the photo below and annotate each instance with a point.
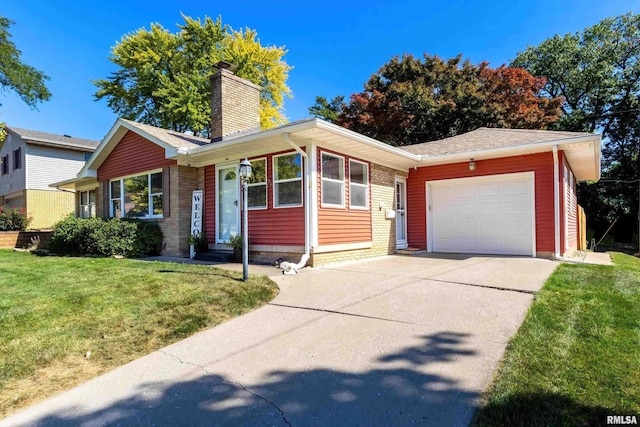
(54, 310)
(576, 358)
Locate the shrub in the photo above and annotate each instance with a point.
(13, 219)
(107, 237)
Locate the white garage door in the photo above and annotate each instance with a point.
(485, 215)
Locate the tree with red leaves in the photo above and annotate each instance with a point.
(410, 100)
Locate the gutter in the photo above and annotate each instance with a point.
(307, 201)
(556, 204)
(427, 159)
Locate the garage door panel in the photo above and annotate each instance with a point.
(466, 228)
(447, 228)
(482, 215)
(518, 207)
(489, 209)
(447, 245)
(490, 228)
(466, 245)
(488, 189)
(516, 187)
(465, 209)
(488, 245)
(516, 227)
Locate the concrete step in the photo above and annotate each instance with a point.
(411, 251)
(215, 256)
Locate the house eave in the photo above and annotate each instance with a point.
(310, 131)
(583, 154)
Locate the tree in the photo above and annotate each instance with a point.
(16, 76)
(597, 72)
(163, 77)
(327, 110)
(410, 100)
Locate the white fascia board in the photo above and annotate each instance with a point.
(72, 182)
(301, 126)
(118, 126)
(87, 166)
(512, 150)
(368, 141)
(250, 137)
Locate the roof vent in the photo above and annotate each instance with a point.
(68, 136)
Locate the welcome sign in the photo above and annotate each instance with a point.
(196, 218)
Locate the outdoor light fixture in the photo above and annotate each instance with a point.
(245, 175)
(472, 165)
(245, 169)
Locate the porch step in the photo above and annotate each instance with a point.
(215, 256)
(411, 251)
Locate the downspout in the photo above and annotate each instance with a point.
(307, 201)
(556, 204)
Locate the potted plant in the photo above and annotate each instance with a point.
(235, 243)
(199, 242)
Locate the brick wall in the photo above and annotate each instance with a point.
(177, 226)
(47, 207)
(384, 230)
(235, 105)
(22, 239)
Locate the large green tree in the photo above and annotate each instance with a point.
(412, 100)
(16, 76)
(597, 72)
(163, 77)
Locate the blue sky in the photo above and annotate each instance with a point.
(334, 46)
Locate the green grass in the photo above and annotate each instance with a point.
(54, 309)
(576, 358)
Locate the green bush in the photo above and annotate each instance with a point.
(106, 237)
(13, 219)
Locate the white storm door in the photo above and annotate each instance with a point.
(401, 213)
(227, 209)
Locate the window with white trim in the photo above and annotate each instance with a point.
(332, 180)
(5, 165)
(287, 180)
(257, 186)
(88, 204)
(137, 196)
(358, 185)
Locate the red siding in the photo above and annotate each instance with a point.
(568, 207)
(210, 203)
(276, 226)
(133, 154)
(343, 225)
(541, 164)
(270, 226)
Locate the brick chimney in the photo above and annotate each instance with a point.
(235, 103)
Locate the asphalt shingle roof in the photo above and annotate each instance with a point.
(489, 138)
(173, 138)
(53, 139)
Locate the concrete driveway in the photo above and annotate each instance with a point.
(391, 341)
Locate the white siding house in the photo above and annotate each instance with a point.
(51, 164)
(33, 160)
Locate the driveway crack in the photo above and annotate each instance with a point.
(205, 370)
(498, 288)
(344, 313)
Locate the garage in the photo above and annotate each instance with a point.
(482, 215)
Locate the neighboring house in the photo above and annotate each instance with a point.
(338, 195)
(32, 160)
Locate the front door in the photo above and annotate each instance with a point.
(227, 210)
(401, 213)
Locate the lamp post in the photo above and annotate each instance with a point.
(245, 175)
